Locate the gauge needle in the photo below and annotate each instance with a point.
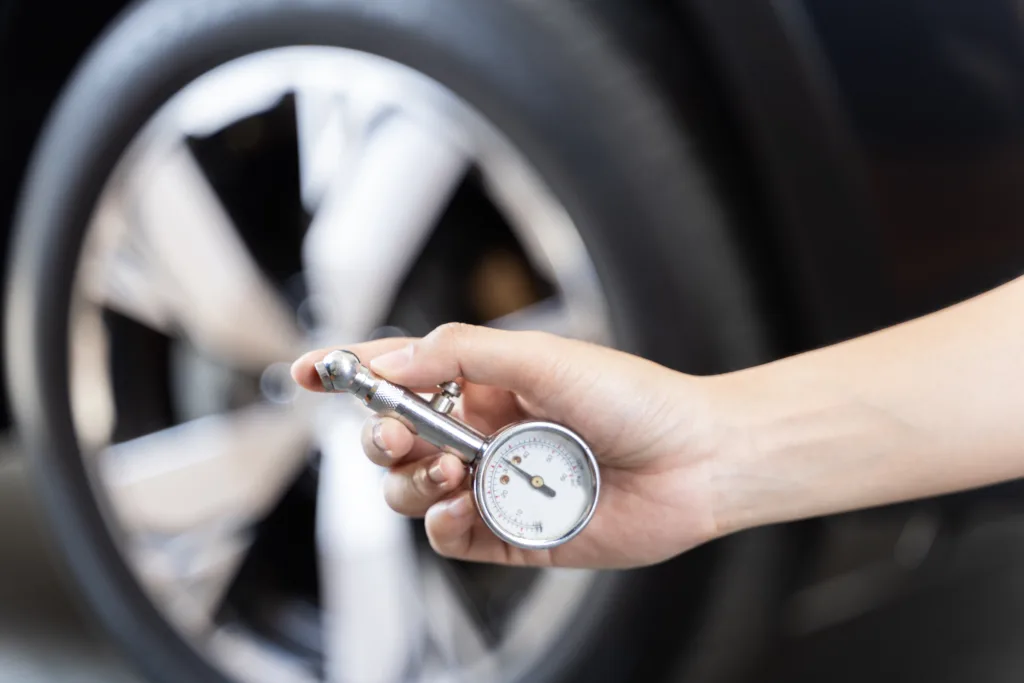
(535, 482)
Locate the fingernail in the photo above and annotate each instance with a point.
(436, 473)
(378, 438)
(392, 361)
(460, 507)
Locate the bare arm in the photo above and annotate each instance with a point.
(927, 407)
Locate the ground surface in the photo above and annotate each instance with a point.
(43, 637)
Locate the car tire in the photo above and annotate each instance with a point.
(553, 77)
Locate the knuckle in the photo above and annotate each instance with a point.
(450, 335)
(453, 329)
(449, 342)
(419, 482)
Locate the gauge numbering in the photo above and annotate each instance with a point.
(536, 485)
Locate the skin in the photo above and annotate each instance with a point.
(927, 407)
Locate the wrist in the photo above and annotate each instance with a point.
(732, 451)
(786, 447)
(796, 439)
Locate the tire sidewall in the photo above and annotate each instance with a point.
(597, 136)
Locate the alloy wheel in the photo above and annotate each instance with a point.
(382, 152)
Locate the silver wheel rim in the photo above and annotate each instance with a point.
(381, 149)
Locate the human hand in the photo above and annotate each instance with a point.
(645, 423)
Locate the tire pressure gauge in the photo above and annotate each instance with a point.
(536, 483)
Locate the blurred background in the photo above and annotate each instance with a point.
(194, 192)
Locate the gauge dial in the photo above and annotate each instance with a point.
(536, 484)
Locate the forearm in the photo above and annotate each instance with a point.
(927, 407)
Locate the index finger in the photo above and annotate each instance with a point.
(305, 375)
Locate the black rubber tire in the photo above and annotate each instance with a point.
(554, 79)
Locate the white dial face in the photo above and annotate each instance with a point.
(536, 485)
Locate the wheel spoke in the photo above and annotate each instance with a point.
(455, 628)
(552, 244)
(116, 271)
(173, 259)
(373, 621)
(247, 659)
(189, 574)
(224, 469)
(371, 224)
(543, 615)
(188, 496)
(324, 140)
(374, 221)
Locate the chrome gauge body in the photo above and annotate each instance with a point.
(536, 483)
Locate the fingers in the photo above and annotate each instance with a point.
(455, 529)
(418, 474)
(412, 487)
(450, 525)
(387, 442)
(526, 362)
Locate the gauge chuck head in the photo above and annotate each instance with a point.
(339, 370)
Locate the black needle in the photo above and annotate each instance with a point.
(535, 482)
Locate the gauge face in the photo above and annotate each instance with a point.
(537, 484)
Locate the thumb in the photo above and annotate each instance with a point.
(524, 362)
